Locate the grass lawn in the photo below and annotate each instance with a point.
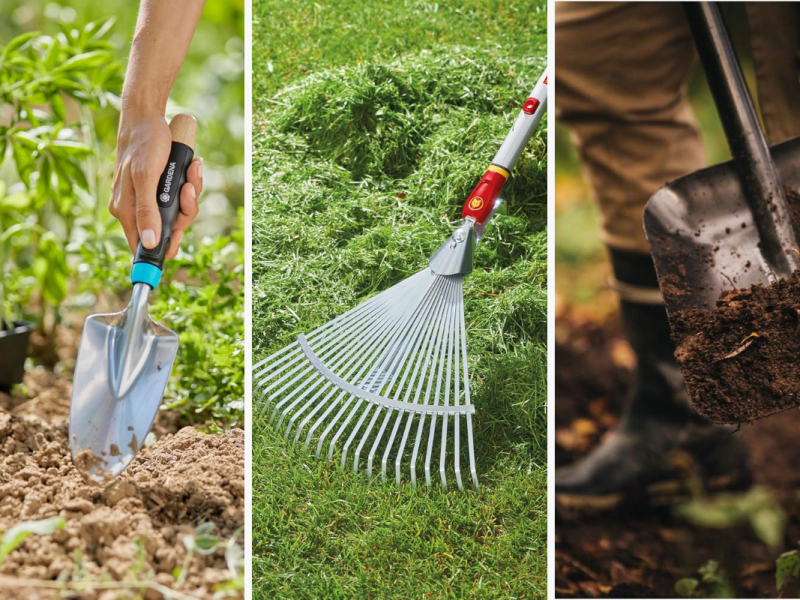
(372, 123)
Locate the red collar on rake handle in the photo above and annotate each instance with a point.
(481, 201)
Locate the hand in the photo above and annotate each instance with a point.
(143, 146)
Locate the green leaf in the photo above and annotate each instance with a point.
(205, 528)
(12, 538)
(87, 60)
(686, 587)
(787, 565)
(57, 104)
(104, 28)
(758, 506)
(206, 544)
(50, 268)
(17, 43)
(19, 202)
(71, 148)
(769, 523)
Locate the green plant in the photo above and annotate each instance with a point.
(50, 89)
(14, 537)
(205, 307)
(204, 542)
(713, 583)
(758, 506)
(787, 566)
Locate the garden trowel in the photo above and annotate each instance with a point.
(728, 226)
(125, 358)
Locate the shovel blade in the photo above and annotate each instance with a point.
(702, 234)
(705, 243)
(114, 400)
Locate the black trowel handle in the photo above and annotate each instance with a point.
(184, 132)
(747, 143)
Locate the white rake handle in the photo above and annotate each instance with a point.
(481, 201)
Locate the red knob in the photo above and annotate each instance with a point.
(530, 106)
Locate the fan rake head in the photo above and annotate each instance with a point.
(386, 381)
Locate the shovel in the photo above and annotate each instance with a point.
(727, 227)
(125, 358)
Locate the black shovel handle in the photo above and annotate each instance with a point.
(746, 140)
(184, 129)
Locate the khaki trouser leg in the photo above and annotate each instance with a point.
(775, 44)
(621, 70)
(620, 77)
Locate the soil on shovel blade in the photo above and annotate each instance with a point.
(640, 551)
(741, 362)
(131, 529)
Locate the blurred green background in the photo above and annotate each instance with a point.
(581, 281)
(210, 87)
(62, 255)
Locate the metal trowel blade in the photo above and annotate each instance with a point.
(123, 366)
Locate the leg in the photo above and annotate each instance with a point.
(620, 76)
(775, 43)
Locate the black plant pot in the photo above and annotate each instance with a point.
(13, 352)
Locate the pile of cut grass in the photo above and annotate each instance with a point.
(360, 173)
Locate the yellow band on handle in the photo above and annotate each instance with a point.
(499, 170)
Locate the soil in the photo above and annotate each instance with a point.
(130, 529)
(741, 361)
(641, 552)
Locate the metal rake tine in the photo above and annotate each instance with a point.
(470, 443)
(347, 351)
(366, 312)
(450, 350)
(424, 310)
(302, 409)
(359, 404)
(428, 358)
(364, 437)
(332, 424)
(280, 380)
(403, 335)
(399, 458)
(306, 387)
(442, 355)
(415, 453)
(362, 312)
(286, 386)
(329, 428)
(457, 420)
(311, 414)
(363, 309)
(423, 356)
(331, 331)
(378, 438)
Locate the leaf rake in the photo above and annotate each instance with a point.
(390, 376)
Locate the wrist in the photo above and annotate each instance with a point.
(140, 99)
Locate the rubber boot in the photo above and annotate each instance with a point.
(660, 448)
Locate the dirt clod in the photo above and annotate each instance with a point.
(741, 361)
(129, 529)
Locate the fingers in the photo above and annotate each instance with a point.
(189, 210)
(121, 204)
(144, 176)
(194, 175)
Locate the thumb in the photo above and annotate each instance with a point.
(148, 219)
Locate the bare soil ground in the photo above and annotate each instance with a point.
(129, 530)
(642, 552)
